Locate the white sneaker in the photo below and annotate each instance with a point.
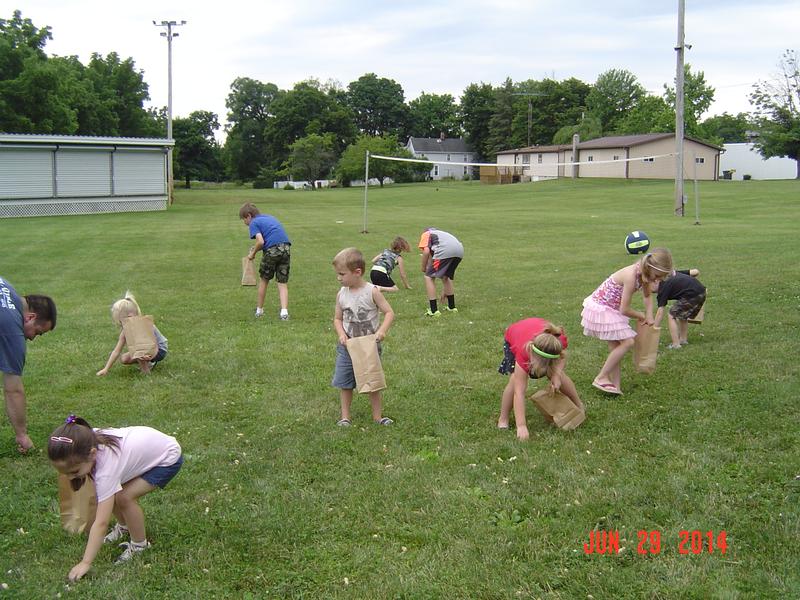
(130, 550)
(259, 312)
(116, 533)
(284, 316)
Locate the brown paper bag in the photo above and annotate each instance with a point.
(645, 348)
(698, 318)
(77, 508)
(248, 272)
(366, 364)
(140, 337)
(558, 409)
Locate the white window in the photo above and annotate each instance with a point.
(465, 170)
(616, 157)
(526, 159)
(435, 170)
(539, 159)
(448, 157)
(589, 158)
(700, 160)
(466, 158)
(648, 159)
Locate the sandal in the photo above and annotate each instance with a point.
(343, 423)
(608, 388)
(384, 421)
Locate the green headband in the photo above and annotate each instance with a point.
(543, 353)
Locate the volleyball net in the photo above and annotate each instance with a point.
(503, 172)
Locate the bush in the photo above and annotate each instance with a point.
(288, 186)
(746, 177)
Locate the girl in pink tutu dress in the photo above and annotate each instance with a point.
(606, 312)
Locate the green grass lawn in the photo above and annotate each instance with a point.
(274, 500)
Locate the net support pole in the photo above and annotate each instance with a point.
(366, 189)
(696, 194)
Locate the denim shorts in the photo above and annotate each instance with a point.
(343, 376)
(161, 476)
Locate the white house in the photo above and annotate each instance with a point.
(443, 150)
(645, 156)
(744, 159)
(66, 175)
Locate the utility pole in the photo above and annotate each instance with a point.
(169, 35)
(679, 125)
(530, 96)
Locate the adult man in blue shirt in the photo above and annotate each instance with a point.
(21, 318)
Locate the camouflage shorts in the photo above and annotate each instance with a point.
(687, 308)
(275, 263)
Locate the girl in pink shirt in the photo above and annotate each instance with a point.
(607, 311)
(125, 464)
(532, 348)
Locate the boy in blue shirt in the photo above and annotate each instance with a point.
(270, 237)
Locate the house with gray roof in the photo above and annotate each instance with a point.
(645, 156)
(443, 150)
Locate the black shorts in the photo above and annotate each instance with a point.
(443, 267)
(380, 278)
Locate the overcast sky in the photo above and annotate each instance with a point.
(432, 46)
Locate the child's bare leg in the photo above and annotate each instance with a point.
(430, 288)
(346, 397)
(262, 293)
(674, 331)
(610, 373)
(447, 285)
(569, 390)
(683, 330)
(130, 509)
(394, 288)
(375, 401)
(506, 402)
(283, 295)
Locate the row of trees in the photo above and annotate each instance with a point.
(316, 128)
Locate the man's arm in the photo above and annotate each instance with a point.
(14, 392)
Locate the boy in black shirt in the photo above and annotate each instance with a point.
(689, 295)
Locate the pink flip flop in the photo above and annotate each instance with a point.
(608, 388)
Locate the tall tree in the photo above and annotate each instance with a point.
(311, 158)
(697, 97)
(379, 106)
(612, 96)
(477, 103)
(120, 91)
(197, 154)
(305, 110)
(777, 103)
(249, 106)
(432, 115)
(501, 121)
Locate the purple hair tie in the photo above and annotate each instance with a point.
(70, 419)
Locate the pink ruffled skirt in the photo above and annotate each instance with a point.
(604, 322)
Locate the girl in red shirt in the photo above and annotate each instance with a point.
(533, 348)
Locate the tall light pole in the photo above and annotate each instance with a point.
(169, 35)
